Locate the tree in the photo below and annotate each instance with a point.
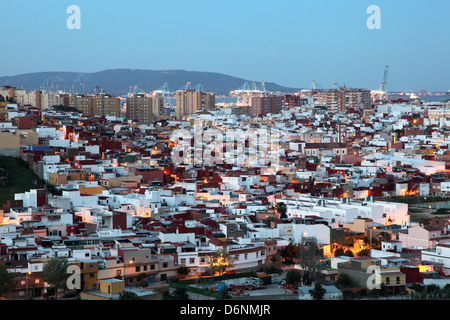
(318, 292)
(289, 253)
(282, 209)
(293, 277)
(364, 252)
(128, 295)
(273, 268)
(183, 271)
(384, 236)
(220, 261)
(269, 220)
(7, 281)
(344, 281)
(55, 273)
(339, 252)
(311, 260)
(348, 253)
(141, 278)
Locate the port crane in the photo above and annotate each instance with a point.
(246, 91)
(382, 94)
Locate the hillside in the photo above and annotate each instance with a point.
(16, 177)
(119, 81)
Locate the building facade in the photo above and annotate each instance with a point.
(190, 101)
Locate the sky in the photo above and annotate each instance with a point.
(289, 42)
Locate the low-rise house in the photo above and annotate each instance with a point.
(423, 237)
(440, 255)
(111, 289)
(368, 272)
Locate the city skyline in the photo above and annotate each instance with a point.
(289, 43)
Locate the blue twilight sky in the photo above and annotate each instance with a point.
(290, 42)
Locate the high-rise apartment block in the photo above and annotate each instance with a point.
(343, 98)
(144, 108)
(96, 105)
(190, 101)
(39, 99)
(264, 104)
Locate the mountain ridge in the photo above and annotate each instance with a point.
(121, 80)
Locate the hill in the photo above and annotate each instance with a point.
(119, 81)
(16, 177)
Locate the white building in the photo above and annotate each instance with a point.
(439, 255)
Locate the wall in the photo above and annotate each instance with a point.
(9, 144)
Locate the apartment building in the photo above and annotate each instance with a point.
(99, 105)
(359, 270)
(144, 108)
(439, 255)
(266, 104)
(190, 101)
(39, 98)
(343, 98)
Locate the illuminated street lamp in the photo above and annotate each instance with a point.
(26, 283)
(125, 270)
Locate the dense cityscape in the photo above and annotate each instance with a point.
(335, 193)
(239, 158)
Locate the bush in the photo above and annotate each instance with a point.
(293, 277)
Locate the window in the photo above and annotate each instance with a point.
(152, 267)
(192, 260)
(398, 280)
(183, 261)
(138, 269)
(165, 265)
(388, 281)
(246, 256)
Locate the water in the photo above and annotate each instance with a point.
(435, 98)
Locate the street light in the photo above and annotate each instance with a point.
(125, 270)
(26, 283)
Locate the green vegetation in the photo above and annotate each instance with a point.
(282, 209)
(444, 211)
(318, 292)
(128, 295)
(413, 199)
(431, 291)
(7, 281)
(55, 274)
(16, 177)
(65, 109)
(294, 277)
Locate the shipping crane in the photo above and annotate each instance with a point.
(381, 94)
(383, 88)
(314, 83)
